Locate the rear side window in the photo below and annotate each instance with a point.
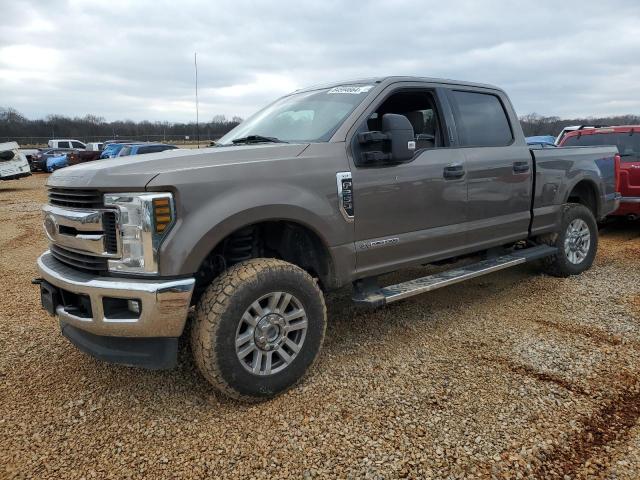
(482, 121)
(162, 148)
(151, 149)
(63, 145)
(628, 143)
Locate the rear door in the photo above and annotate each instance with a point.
(499, 168)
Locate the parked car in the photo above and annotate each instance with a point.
(29, 153)
(67, 143)
(57, 162)
(81, 156)
(543, 141)
(372, 177)
(95, 146)
(107, 142)
(142, 148)
(627, 139)
(39, 160)
(113, 149)
(13, 163)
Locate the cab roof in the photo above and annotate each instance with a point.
(384, 81)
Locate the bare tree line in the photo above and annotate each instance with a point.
(534, 124)
(15, 126)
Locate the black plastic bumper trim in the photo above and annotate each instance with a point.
(153, 353)
(16, 176)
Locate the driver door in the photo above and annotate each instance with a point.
(413, 212)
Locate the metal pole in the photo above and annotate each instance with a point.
(195, 62)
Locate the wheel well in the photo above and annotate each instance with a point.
(585, 194)
(286, 240)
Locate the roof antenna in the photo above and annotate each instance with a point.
(195, 63)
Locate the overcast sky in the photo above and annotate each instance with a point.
(134, 59)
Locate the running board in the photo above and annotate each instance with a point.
(377, 297)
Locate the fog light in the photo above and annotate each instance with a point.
(134, 306)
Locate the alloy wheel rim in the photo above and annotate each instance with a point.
(577, 241)
(271, 333)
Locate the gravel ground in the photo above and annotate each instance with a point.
(513, 375)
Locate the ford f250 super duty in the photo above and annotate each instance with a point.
(326, 187)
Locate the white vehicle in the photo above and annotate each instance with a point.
(67, 143)
(13, 163)
(95, 146)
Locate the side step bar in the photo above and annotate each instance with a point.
(376, 297)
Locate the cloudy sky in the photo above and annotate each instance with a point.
(134, 59)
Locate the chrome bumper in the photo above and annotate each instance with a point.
(164, 304)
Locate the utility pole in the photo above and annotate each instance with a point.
(195, 62)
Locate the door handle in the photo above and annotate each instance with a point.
(520, 167)
(453, 171)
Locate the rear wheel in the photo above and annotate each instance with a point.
(258, 328)
(577, 242)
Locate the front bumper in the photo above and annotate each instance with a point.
(146, 352)
(16, 176)
(164, 304)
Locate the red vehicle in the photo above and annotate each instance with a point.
(627, 139)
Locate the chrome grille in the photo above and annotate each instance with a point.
(78, 260)
(75, 198)
(82, 233)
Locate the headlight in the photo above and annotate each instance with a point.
(144, 220)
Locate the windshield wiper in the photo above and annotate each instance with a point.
(257, 139)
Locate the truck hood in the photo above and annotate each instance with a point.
(135, 172)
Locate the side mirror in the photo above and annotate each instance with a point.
(399, 131)
(394, 144)
(7, 155)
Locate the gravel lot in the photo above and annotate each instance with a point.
(514, 375)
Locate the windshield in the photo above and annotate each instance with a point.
(300, 117)
(628, 143)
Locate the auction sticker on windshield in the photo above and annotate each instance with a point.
(352, 90)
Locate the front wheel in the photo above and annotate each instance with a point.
(258, 328)
(577, 242)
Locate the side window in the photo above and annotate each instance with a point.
(587, 141)
(482, 120)
(77, 145)
(628, 144)
(419, 108)
(63, 145)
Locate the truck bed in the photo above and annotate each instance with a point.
(559, 170)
